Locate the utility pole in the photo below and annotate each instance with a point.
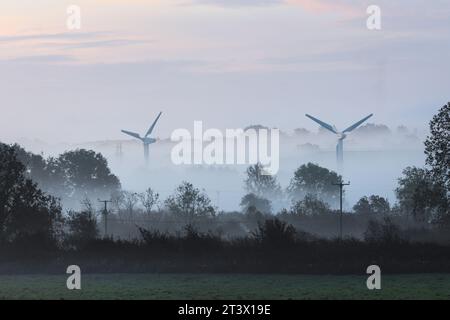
(341, 187)
(105, 214)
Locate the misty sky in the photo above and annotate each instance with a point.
(230, 63)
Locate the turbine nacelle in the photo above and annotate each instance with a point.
(146, 140)
(340, 135)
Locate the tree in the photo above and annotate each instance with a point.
(252, 202)
(26, 212)
(189, 202)
(264, 186)
(130, 199)
(379, 205)
(117, 200)
(276, 233)
(437, 146)
(83, 225)
(148, 199)
(372, 205)
(385, 231)
(315, 180)
(47, 173)
(362, 206)
(310, 206)
(72, 176)
(32, 214)
(373, 129)
(87, 174)
(420, 195)
(301, 132)
(11, 179)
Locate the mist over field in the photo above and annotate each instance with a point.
(374, 158)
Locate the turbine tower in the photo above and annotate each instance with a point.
(146, 140)
(341, 136)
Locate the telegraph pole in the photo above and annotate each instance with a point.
(341, 187)
(105, 214)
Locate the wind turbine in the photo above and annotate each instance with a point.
(341, 136)
(146, 140)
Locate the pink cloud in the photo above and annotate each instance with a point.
(326, 6)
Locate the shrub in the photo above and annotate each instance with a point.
(274, 232)
(385, 231)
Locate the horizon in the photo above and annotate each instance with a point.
(410, 131)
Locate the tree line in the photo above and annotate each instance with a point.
(32, 189)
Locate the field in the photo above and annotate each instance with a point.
(216, 286)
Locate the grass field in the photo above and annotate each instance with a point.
(217, 286)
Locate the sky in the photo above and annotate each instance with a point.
(229, 63)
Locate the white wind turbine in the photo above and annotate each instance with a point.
(341, 136)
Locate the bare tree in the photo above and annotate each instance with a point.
(88, 207)
(148, 199)
(130, 200)
(117, 200)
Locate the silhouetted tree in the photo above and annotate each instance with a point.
(33, 213)
(372, 205)
(87, 174)
(25, 211)
(315, 180)
(130, 199)
(373, 129)
(274, 232)
(11, 177)
(420, 195)
(301, 132)
(148, 199)
(260, 184)
(189, 202)
(252, 202)
(82, 225)
(362, 206)
(117, 200)
(437, 146)
(310, 206)
(385, 231)
(72, 176)
(48, 175)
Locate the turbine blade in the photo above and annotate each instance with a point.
(357, 124)
(153, 125)
(133, 134)
(323, 124)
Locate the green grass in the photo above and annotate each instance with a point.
(221, 286)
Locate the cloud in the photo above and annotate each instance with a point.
(47, 36)
(52, 47)
(318, 6)
(238, 3)
(98, 44)
(42, 59)
(324, 5)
